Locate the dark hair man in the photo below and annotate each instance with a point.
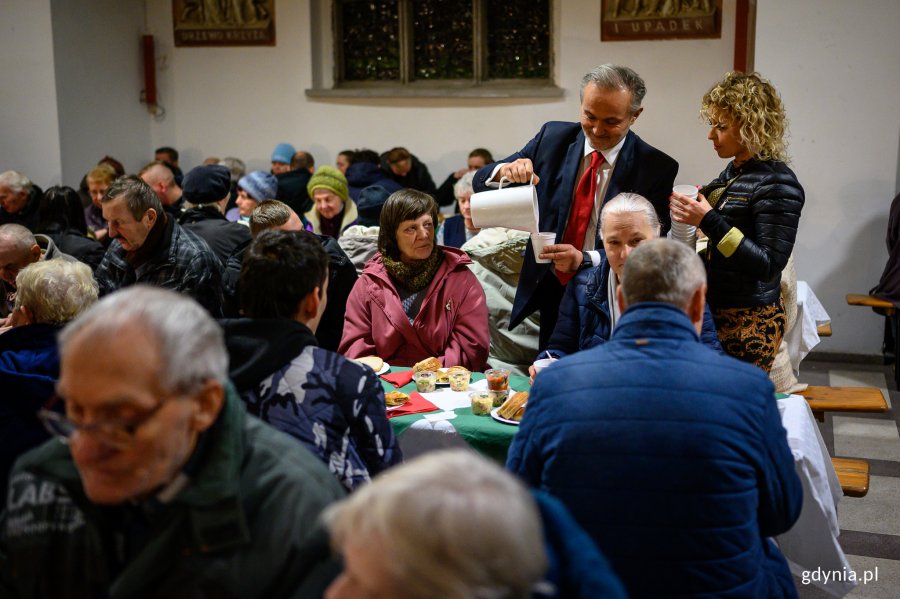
(273, 214)
(333, 406)
(148, 246)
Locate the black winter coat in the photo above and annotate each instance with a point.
(222, 235)
(751, 233)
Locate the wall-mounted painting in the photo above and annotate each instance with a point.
(626, 20)
(224, 22)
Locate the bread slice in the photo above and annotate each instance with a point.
(396, 398)
(428, 364)
(514, 407)
(373, 362)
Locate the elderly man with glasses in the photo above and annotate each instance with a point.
(162, 485)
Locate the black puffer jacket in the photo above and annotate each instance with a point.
(751, 233)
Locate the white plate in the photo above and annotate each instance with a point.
(500, 418)
(384, 368)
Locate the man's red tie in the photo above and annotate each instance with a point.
(580, 214)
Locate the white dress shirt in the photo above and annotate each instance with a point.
(604, 174)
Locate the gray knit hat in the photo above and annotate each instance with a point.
(259, 185)
(330, 178)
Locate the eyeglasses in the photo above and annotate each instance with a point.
(115, 433)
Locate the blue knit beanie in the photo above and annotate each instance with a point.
(260, 185)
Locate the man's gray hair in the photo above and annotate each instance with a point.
(464, 184)
(139, 197)
(15, 181)
(18, 237)
(615, 77)
(190, 343)
(486, 541)
(235, 166)
(55, 291)
(631, 203)
(662, 270)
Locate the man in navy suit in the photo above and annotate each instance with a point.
(558, 157)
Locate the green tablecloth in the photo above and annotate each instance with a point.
(482, 433)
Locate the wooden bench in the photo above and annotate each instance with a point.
(844, 399)
(891, 327)
(853, 476)
(879, 305)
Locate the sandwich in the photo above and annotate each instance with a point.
(514, 407)
(428, 364)
(396, 398)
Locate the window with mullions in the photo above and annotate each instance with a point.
(408, 42)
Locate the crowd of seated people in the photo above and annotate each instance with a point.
(217, 428)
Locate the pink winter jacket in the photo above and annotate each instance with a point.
(452, 324)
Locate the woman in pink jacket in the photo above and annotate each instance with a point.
(416, 299)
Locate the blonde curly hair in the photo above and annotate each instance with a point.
(755, 104)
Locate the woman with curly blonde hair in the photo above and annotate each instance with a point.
(749, 213)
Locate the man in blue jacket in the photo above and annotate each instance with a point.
(577, 167)
(671, 456)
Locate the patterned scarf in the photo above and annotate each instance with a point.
(416, 276)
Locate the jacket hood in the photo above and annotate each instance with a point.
(498, 250)
(363, 174)
(257, 347)
(360, 231)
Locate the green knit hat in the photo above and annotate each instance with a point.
(330, 178)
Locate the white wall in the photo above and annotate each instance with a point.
(242, 101)
(836, 65)
(28, 115)
(99, 78)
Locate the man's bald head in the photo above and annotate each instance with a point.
(159, 176)
(18, 249)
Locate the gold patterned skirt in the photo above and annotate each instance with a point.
(751, 334)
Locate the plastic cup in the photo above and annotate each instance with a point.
(481, 403)
(498, 397)
(690, 191)
(539, 241)
(497, 379)
(459, 380)
(425, 381)
(682, 232)
(541, 364)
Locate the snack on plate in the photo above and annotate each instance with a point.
(481, 403)
(396, 398)
(373, 362)
(514, 407)
(429, 364)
